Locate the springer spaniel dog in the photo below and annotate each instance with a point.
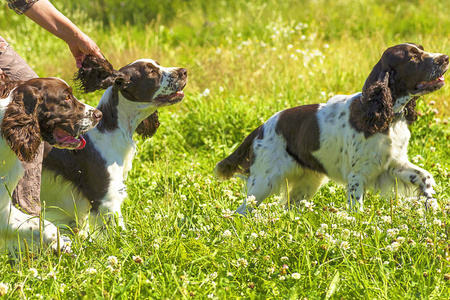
(86, 188)
(41, 109)
(360, 140)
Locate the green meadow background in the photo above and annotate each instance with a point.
(247, 60)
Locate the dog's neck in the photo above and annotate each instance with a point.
(124, 114)
(400, 104)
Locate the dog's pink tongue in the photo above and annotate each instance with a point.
(65, 140)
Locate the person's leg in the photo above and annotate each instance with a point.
(26, 194)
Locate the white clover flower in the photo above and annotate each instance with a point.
(284, 258)
(404, 227)
(137, 259)
(437, 222)
(386, 219)
(295, 276)
(392, 233)
(213, 276)
(51, 274)
(83, 235)
(251, 201)
(395, 246)
(183, 197)
(4, 287)
(345, 234)
(33, 272)
(324, 226)
(401, 239)
(262, 233)
(91, 271)
(253, 235)
(205, 93)
(112, 260)
(344, 245)
(226, 234)
(242, 262)
(416, 158)
(282, 278)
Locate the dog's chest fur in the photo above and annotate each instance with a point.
(344, 150)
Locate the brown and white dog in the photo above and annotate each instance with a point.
(87, 187)
(360, 140)
(41, 109)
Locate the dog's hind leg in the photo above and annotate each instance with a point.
(303, 187)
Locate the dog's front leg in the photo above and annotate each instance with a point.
(412, 174)
(355, 191)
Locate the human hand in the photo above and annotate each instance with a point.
(81, 46)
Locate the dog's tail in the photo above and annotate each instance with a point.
(240, 160)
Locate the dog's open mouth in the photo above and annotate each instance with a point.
(432, 84)
(67, 141)
(172, 98)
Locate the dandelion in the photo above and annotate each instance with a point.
(112, 261)
(3, 288)
(137, 259)
(295, 276)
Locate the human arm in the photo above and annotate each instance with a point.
(48, 17)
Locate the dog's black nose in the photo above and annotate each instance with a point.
(441, 59)
(182, 73)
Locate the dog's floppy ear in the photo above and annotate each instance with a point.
(373, 111)
(20, 124)
(149, 126)
(122, 81)
(96, 74)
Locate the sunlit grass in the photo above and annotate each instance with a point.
(245, 62)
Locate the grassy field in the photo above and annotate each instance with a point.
(247, 60)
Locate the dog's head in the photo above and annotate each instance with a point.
(143, 81)
(403, 73)
(45, 109)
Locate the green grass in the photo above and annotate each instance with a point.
(254, 58)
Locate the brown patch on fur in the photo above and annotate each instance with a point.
(373, 111)
(7, 85)
(240, 160)
(300, 129)
(20, 124)
(149, 126)
(96, 74)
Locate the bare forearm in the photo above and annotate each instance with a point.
(48, 17)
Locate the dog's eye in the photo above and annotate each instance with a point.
(68, 97)
(415, 57)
